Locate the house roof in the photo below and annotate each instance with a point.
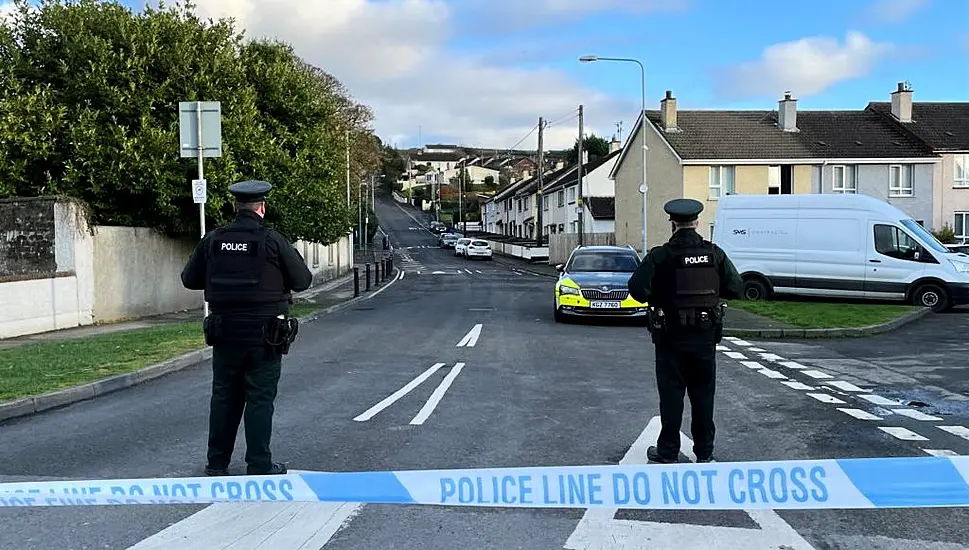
(751, 135)
(548, 180)
(587, 168)
(942, 126)
(436, 157)
(602, 208)
(511, 188)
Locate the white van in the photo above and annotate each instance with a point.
(837, 245)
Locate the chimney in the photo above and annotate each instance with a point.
(787, 113)
(902, 103)
(614, 145)
(668, 111)
(559, 164)
(526, 174)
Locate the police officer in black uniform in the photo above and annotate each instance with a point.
(248, 272)
(683, 282)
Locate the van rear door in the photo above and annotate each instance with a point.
(894, 260)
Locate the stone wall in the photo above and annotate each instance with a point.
(27, 237)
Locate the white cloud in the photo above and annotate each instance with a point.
(894, 11)
(807, 66)
(392, 56)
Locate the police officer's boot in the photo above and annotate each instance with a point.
(652, 454)
(276, 469)
(209, 471)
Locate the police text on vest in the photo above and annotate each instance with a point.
(235, 247)
(696, 260)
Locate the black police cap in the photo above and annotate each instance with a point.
(683, 210)
(250, 190)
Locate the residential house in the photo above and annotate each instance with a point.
(505, 205)
(944, 127)
(527, 199)
(598, 191)
(705, 154)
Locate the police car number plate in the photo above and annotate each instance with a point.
(605, 305)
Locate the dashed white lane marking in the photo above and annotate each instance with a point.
(879, 400)
(471, 338)
(793, 365)
(825, 398)
(752, 364)
(469, 271)
(722, 348)
(388, 401)
(797, 385)
(941, 452)
(772, 374)
(771, 357)
(917, 415)
(731, 338)
(960, 431)
(757, 349)
(817, 374)
(734, 355)
(860, 414)
(902, 433)
(438, 394)
(742, 343)
(846, 386)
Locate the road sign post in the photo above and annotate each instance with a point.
(200, 136)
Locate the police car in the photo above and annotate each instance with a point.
(592, 283)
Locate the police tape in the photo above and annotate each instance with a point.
(799, 484)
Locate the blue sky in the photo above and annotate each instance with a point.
(481, 72)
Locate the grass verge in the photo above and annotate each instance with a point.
(823, 314)
(48, 366)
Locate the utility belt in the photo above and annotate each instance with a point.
(276, 332)
(686, 318)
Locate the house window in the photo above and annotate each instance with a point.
(721, 181)
(962, 225)
(561, 195)
(780, 180)
(544, 202)
(961, 176)
(901, 181)
(845, 179)
(574, 226)
(561, 228)
(571, 195)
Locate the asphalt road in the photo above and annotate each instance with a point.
(529, 393)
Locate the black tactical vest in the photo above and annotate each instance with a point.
(239, 270)
(688, 279)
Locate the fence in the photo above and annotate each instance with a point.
(560, 245)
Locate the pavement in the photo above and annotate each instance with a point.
(503, 385)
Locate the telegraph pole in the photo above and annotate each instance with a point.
(541, 178)
(464, 167)
(579, 207)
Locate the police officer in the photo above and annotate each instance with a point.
(248, 272)
(683, 282)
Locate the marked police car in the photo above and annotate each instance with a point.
(593, 282)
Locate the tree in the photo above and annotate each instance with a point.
(596, 147)
(490, 183)
(393, 166)
(88, 109)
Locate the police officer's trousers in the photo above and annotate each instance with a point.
(244, 381)
(688, 366)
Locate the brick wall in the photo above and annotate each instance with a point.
(27, 238)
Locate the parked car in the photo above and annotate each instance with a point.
(837, 245)
(437, 227)
(447, 240)
(460, 246)
(478, 249)
(593, 283)
(958, 248)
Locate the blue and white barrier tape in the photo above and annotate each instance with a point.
(803, 484)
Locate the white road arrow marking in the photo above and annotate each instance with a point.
(597, 530)
(436, 397)
(471, 338)
(392, 398)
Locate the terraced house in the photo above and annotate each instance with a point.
(943, 127)
(704, 154)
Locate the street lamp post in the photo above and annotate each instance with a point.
(644, 187)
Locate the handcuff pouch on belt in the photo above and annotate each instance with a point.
(277, 332)
(688, 318)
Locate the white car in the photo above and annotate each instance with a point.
(477, 249)
(460, 246)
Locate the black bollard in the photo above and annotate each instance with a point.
(356, 281)
(376, 277)
(367, 288)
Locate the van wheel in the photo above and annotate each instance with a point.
(931, 295)
(755, 289)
